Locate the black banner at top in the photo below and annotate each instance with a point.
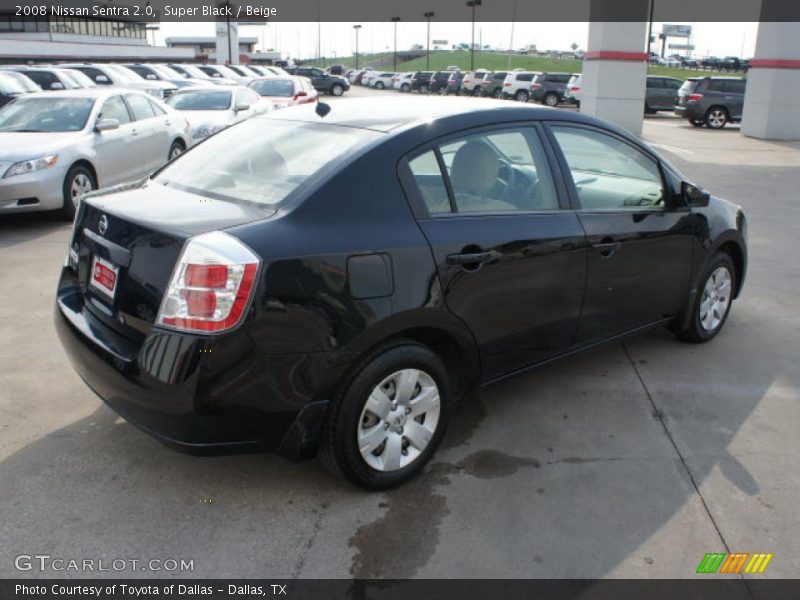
(255, 11)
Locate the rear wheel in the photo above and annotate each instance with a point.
(713, 302)
(551, 99)
(78, 182)
(716, 117)
(476, 91)
(175, 150)
(337, 90)
(405, 87)
(380, 85)
(522, 96)
(389, 417)
(424, 89)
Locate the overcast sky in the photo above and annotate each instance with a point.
(300, 39)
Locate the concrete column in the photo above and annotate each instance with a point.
(614, 73)
(227, 37)
(772, 97)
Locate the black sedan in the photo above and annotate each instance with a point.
(335, 281)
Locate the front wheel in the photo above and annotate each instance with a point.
(713, 302)
(78, 182)
(337, 90)
(405, 88)
(522, 96)
(388, 418)
(175, 150)
(380, 85)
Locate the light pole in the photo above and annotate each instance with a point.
(394, 63)
(356, 27)
(472, 4)
(428, 16)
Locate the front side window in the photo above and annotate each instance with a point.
(608, 173)
(140, 107)
(114, 108)
(263, 162)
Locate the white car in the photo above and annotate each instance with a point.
(117, 75)
(517, 85)
(369, 76)
(57, 146)
(223, 72)
(382, 81)
(471, 84)
(210, 109)
(402, 81)
(572, 94)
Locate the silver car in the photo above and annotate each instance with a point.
(57, 146)
(117, 75)
(211, 108)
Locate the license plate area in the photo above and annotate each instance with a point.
(104, 278)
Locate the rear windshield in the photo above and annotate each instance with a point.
(46, 114)
(200, 100)
(687, 87)
(273, 87)
(262, 162)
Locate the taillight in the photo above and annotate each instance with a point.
(507, 83)
(576, 88)
(536, 86)
(210, 286)
(695, 97)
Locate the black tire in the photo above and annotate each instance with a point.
(550, 99)
(522, 96)
(405, 88)
(498, 93)
(76, 177)
(424, 89)
(477, 91)
(336, 90)
(695, 331)
(175, 150)
(379, 85)
(339, 450)
(716, 117)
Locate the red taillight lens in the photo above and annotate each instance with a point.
(507, 83)
(536, 86)
(695, 97)
(576, 89)
(211, 285)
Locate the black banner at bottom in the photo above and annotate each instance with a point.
(388, 589)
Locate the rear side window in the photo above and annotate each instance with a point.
(525, 77)
(489, 172)
(95, 75)
(607, 172)
(715, 85)
(732, 86)
(428, 176)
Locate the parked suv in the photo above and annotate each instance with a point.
(454, 83)
(471, 84)
(421, 81)
(322, 80)
(439, 82)
(661, 93)
(492, 84)
(518, 85)
(402, 81)
(549, 88)
(711, 101)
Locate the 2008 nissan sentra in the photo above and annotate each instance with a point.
(300, 283)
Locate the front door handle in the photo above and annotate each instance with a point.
(134, 132)
(471, 258)
(606, 249)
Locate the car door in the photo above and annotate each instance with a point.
(734, 97)
(510, 256)
(640, 246)
(153, 137)
(115, 149)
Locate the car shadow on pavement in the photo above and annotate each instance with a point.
(25, 227)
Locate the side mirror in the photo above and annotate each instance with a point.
(102, 79)
(151, 77)
(106, 125)
(693, 195)
(56, 85)
(240, 106)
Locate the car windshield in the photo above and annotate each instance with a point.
(194, 71)
(201, 100)
(9, 85)
(80, 78)
(165, 73)
(20, 82)
(123, 74)
(687, 87)
(273, 87)
(226, 72)
(263, 162)
(45, 114)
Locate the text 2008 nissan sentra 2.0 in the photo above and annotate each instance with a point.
(301, 283)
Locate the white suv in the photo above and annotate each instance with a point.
(381, 80)
(402, 81)
(517, 85)
(572, 95)
(471, 84)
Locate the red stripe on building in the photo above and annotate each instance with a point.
(615, 55)
(774, 63)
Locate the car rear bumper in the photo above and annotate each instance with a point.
(174, 387)
(688, 111)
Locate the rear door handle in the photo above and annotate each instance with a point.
(606, 249)
(471, 258)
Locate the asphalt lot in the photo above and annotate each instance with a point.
(630, 461)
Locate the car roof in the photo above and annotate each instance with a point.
(387, 114)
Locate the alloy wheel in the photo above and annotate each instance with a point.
(176, 152)
(81, 185)
(551, 99)
(716, 298)
(399, 420)
(717, 118)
